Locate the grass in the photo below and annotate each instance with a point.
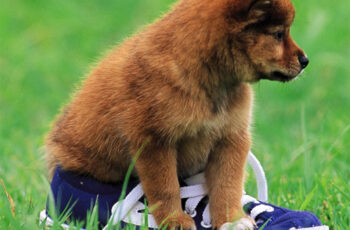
(301, 129)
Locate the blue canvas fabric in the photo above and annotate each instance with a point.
(282, 218)
(79, 193)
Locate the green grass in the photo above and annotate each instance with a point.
(301, 129)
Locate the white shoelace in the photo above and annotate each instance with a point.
(130, 209)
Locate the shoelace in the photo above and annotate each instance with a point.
(129, 209)
(194, 193)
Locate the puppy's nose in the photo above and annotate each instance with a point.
(304, 61)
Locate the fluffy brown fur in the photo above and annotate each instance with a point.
(184, 83)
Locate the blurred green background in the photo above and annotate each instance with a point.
(301, 129)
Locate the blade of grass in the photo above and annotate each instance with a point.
(9, 198)
(92, 217)
(347, 196)
(125, 184)
(264, 225)
(308, 198)
(146, 214)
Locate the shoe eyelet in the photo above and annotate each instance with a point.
(204, 225)
(192, 214)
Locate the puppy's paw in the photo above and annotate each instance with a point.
(241, 224)
(181, 221)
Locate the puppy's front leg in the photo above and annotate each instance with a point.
(156, 167)
(225, 176)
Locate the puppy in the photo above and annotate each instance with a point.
(184, 85)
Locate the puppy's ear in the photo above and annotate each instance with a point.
(258, 10)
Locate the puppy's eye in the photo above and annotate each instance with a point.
(279, 35)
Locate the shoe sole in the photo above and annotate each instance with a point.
(44, 218)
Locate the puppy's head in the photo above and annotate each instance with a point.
(261, 33)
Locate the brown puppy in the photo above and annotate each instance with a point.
(183, 83)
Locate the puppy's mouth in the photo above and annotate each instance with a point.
(278, 76)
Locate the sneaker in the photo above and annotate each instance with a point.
(271, 217)
(79, 194)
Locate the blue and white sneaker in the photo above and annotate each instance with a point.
(79, 195)
(271, 217)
